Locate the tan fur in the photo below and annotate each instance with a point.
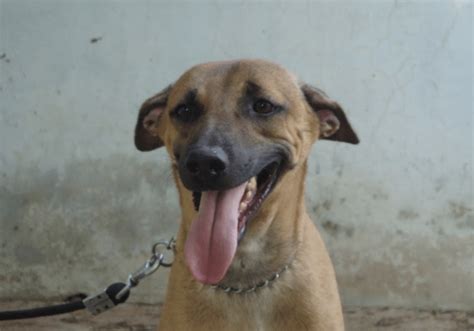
(306, 295)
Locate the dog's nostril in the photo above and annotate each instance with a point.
(216, 166)
(193, 167)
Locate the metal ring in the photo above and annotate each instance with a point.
(162, 247)
(162, 243)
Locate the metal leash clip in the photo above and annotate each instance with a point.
(157, 259)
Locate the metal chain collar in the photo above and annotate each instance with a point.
(244, 290)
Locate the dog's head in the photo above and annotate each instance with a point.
(233, 131)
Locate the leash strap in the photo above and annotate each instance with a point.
(95, 304)
(43, 311)
(115, 294)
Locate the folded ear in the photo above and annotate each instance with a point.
(146, 129)
(333, 122)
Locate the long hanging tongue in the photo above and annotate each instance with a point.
(212, 238)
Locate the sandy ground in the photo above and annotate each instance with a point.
(132, 317)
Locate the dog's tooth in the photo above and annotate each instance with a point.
(249, 185)
(252, 184)
(248, 195)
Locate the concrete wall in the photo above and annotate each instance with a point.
(79, 207)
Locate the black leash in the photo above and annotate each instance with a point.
(113, 295)
(43, 311)
(95, 305)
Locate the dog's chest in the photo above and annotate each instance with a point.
(253, 311)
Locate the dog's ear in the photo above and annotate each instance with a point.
(146, 135)
(333, 122)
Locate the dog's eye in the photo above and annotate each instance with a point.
(263, 106)
(185, 113)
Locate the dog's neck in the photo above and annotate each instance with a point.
(273, 236)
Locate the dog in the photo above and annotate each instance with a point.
(248, 256)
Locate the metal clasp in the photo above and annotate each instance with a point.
(156, 260)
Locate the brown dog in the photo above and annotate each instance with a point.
(248, 257)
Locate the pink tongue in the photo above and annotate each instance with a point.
(212, 238)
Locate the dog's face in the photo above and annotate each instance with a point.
(233, 130)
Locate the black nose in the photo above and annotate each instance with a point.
(206, 162)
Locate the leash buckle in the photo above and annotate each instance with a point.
(98, 303)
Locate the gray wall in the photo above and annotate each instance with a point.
(79, 207)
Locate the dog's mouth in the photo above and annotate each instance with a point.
(256, 191)
(221, 223)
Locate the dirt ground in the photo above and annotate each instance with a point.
(133, 317)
